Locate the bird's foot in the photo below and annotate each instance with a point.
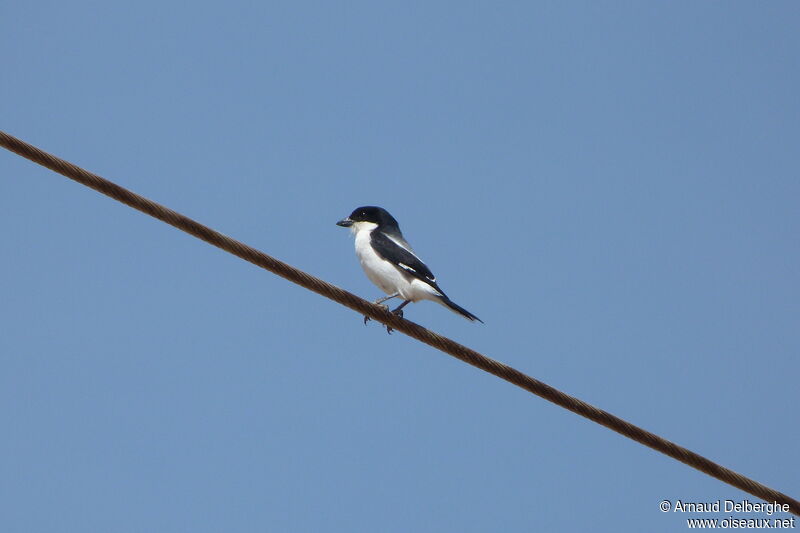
(398, 313)
(367, 319)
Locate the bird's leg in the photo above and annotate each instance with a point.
(380, 301)
(399, 312)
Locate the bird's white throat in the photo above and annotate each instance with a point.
(358, 227)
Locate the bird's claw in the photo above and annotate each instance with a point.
(367, 319)
(397, 313)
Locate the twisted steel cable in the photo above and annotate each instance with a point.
(411, 329)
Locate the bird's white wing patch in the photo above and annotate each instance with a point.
(407, 247)
(403, 244)
(411, 269)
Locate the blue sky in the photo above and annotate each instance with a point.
(611, 186)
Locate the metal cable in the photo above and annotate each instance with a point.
(411, 329)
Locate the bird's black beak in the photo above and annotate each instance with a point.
(345, 222)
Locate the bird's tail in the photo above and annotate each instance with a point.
(450, 304)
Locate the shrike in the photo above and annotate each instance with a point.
(391, 264)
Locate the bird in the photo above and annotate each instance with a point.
(391, 264)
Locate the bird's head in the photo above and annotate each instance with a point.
(369, 217)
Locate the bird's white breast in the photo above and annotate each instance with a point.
(383, 273)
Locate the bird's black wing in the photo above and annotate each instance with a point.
(403, 259)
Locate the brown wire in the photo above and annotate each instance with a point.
(411, 329)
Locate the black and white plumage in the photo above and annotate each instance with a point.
(390, 262)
